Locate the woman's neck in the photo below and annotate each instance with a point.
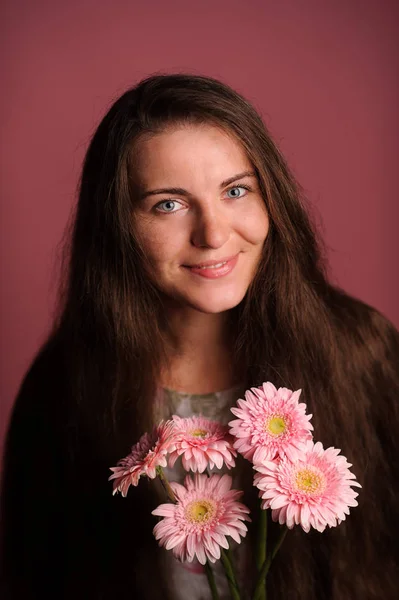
(199, 349)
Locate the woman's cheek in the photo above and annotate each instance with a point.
(155, 236)
(162, 243)
(254, 226)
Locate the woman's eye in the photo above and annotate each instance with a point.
(168, 206)
(237, 194)
(172, 206)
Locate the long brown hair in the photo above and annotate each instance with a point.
(293, 328)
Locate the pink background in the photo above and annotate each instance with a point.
(322, 73)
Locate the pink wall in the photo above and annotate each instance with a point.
(323, 74)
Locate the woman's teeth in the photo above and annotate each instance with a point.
(213, 266)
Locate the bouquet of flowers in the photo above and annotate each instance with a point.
(300, 481)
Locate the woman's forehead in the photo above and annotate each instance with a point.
(192, 153)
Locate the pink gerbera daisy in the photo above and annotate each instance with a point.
(206, 510)
(201, 442)
(145, 456)
(314, 491)
(270, 423)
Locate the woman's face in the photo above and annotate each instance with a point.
(199, 215)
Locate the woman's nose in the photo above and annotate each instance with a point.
(211, 229)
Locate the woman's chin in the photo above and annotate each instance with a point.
(221, 303)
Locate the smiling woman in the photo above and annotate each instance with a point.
(204, 240)
(193, 273)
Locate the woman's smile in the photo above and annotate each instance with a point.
(214, 269)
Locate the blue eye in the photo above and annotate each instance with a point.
(237, 187)
(169, 206)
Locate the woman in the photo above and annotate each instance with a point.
(194, 268)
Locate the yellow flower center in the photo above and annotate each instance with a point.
(201, 433)
(276, 425)
(309, 481)
(200, 511)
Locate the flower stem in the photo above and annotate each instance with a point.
(211, 581)
(231, 577)
(262, 548)
(260, 586)
(166, 485)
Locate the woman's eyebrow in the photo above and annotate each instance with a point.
(183, 192)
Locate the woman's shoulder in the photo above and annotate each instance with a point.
(40, 394)
(35, 424)
(364, 331)
(366, 377)
(32, 472)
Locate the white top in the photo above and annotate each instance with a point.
(188, 581)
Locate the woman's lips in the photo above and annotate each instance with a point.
(213, 270)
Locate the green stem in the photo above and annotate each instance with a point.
(166, 485)
(211, 581)
(261, 539)
(231, 578)
(266, 566)
(262, 547)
